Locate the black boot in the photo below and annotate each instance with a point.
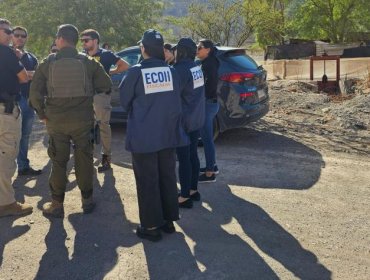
(88, 205)
(105, 164)
(149, 234)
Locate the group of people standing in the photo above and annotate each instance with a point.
(168, 108)
(69, 91)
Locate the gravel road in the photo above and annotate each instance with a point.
(292, 201)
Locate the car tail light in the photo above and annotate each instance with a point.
(246, 94)
(237, 77)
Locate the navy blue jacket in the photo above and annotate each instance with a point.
(192, 94)
(150, 93)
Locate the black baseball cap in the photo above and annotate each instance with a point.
(186, 42)
(151, 37)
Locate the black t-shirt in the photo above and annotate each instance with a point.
(29, 62)
(106, 58)
(10, 66)
(210, 70)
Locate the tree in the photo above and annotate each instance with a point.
(335, 20)
(220, 21)
(270, 27)
(119, 22)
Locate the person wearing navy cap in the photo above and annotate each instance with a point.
(150, 93)
(193, 108)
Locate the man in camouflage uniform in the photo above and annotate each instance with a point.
(62, 94)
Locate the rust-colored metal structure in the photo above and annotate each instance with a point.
(324, 84)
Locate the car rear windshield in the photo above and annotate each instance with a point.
(239, 58)
(132, 58)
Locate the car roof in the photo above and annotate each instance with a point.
(220, 49)
(224, 49)
(129, 49)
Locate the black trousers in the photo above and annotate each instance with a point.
(155, 175)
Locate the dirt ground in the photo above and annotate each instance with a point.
(292, 201)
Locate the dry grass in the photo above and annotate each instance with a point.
(338, 98)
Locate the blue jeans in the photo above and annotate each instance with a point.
(206, 133)
(28, 115)
(189, 165)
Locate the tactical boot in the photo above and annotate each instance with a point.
(15, 209)
(105, 164)
(53, 209)
(88, 205)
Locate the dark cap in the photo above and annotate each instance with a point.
(152, 37)
(186, 42)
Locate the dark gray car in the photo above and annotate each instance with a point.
(242, 89)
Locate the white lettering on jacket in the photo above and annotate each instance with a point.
(198, 79)
(157, 79)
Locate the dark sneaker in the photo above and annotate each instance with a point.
(153, 235)
(195, 196)
(168, 227)
(53, 209)
(105, 164)
(203, 170)
(88, 205)
(204, 179)
(29, 172)
(15, 209)
(186, 204)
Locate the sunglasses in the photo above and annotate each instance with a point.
(7, 31)
(24, 36)
(86, 40)
(200, 47)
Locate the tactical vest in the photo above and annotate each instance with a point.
(68, 77)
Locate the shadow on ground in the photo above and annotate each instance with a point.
(253, 159)
(208, 248)
(226, 255)
(98, 236)
(258, 159)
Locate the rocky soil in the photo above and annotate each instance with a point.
(291, 202)
(340, 123)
